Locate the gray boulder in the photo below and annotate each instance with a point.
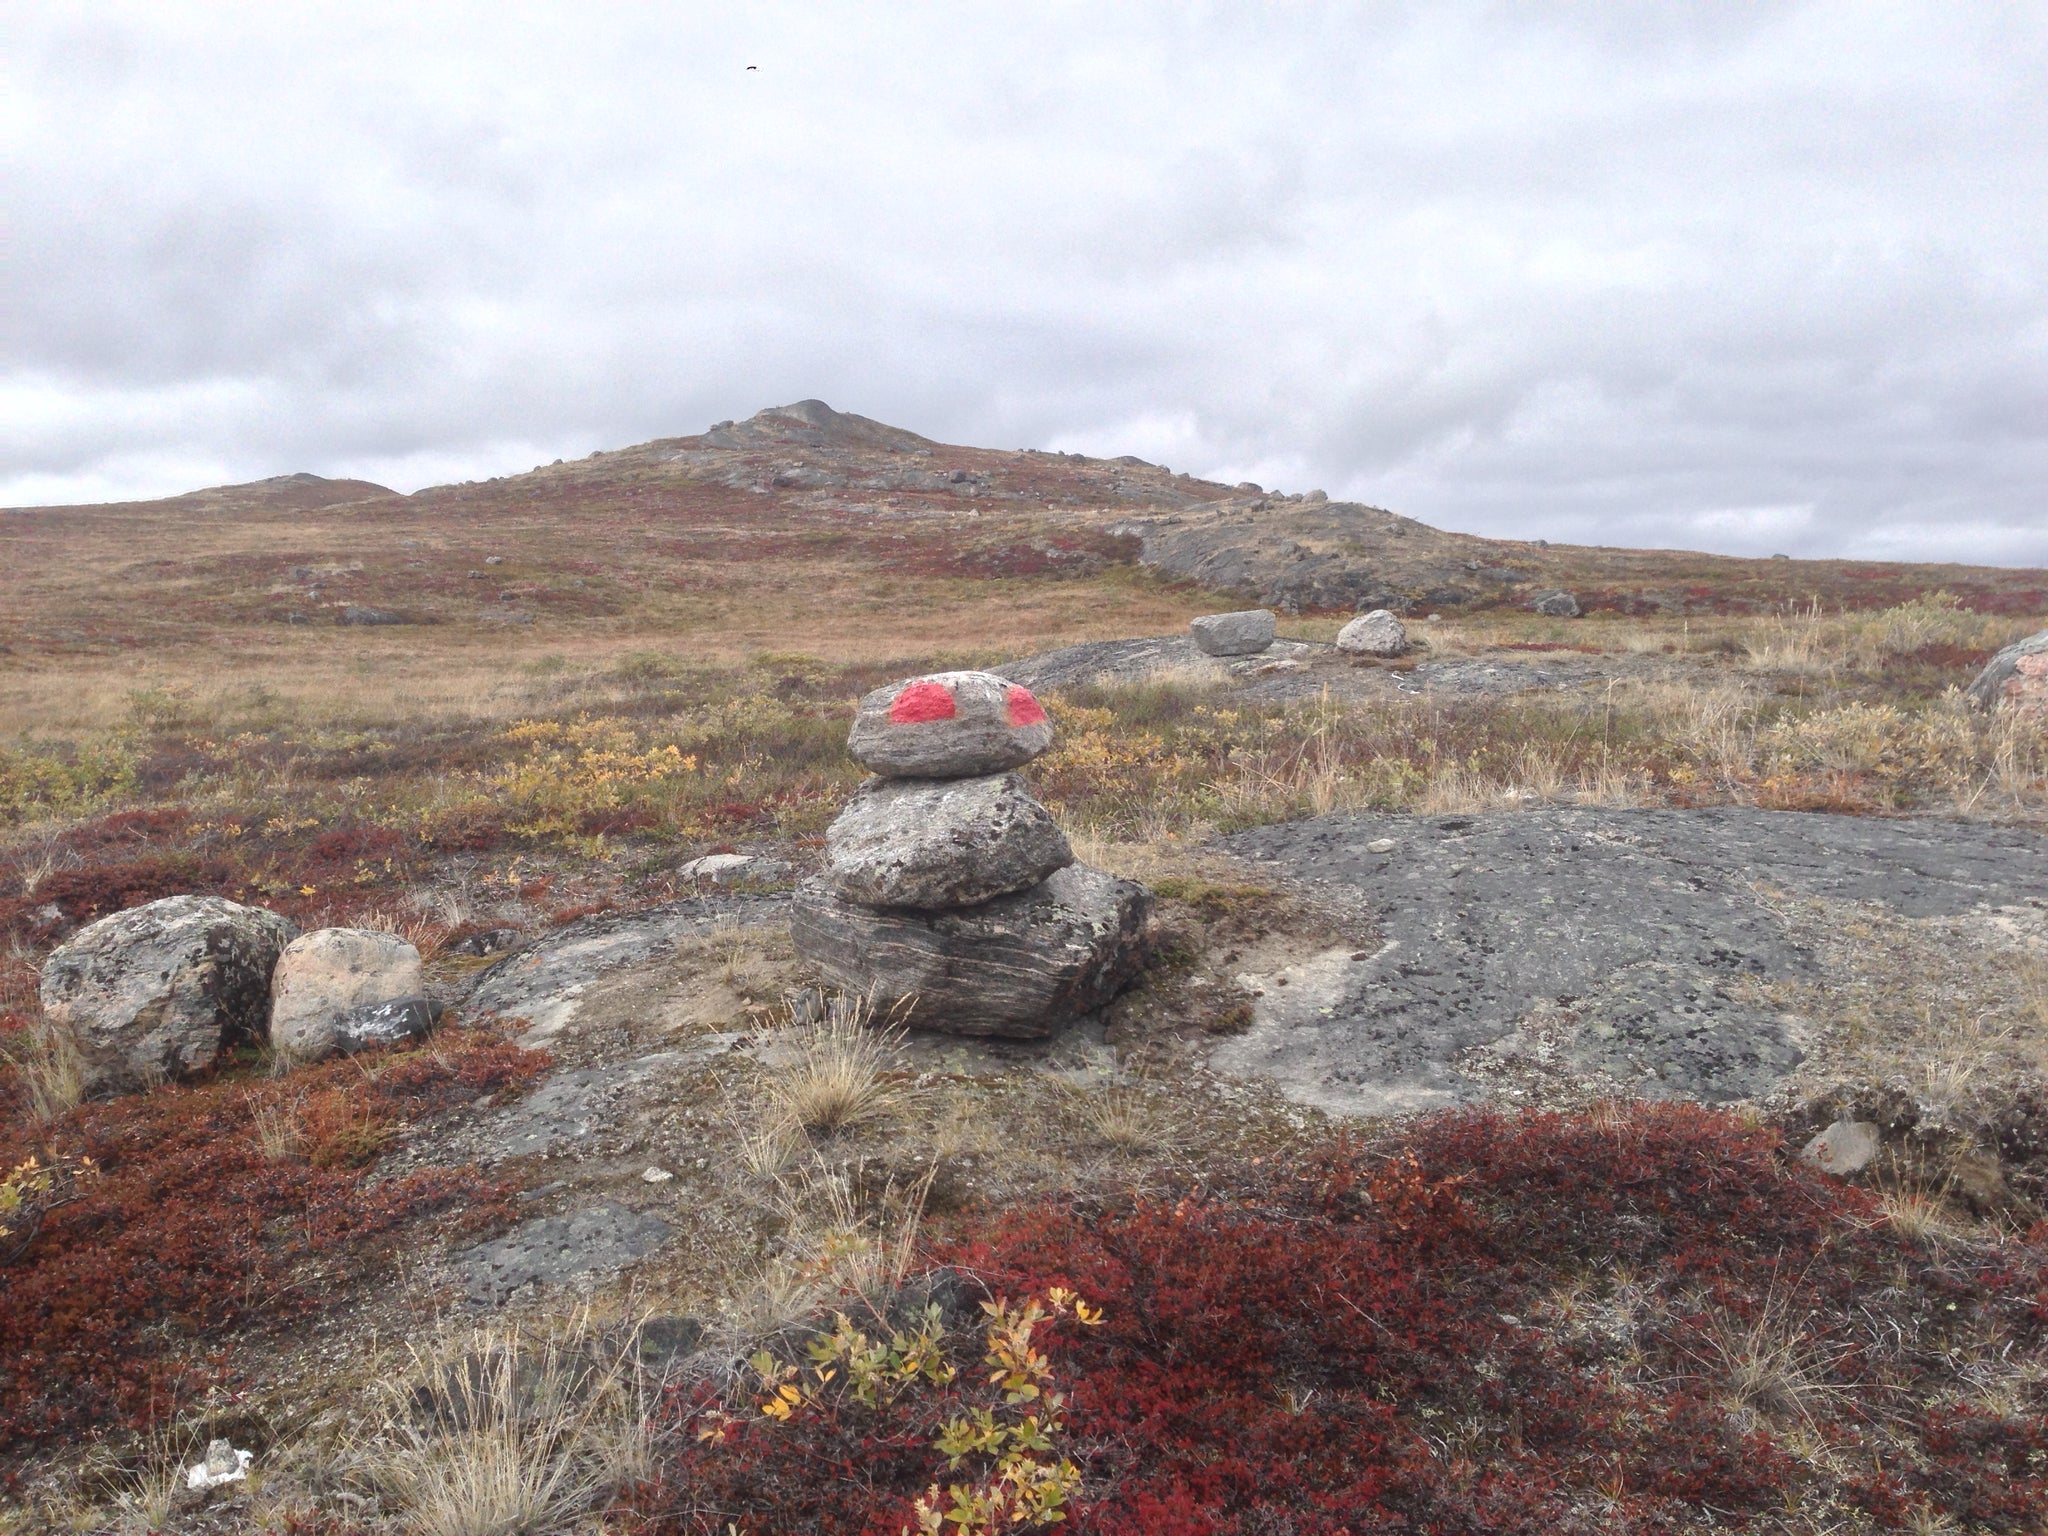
(2016, 678)
(371, 1025)
(948, 725)
(1234, 634)
(1021, 966)
(936, 843)
(160, 990)
(1377, 633)
(1557, 605)
(323, 974)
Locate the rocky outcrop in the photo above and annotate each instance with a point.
(1556, 605)
(322, 975)
(1377, 633)
(1234, 634)
(933, 844)
(2016, 678)
(160, 990)
(950, 898)
(1022, 966)
(948, 725)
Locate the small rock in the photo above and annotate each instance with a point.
(1377, 633)
(948, 725)
(494, 941)
(1556, 605)
(1381, 845)
(1022, 965)
(723, 868)
(656, 1176)
(397, 1022)
(499, 559)
(223, 1464)
(322, 975)
(940, 843)
(2016, 678)
(160, 990)
(1234, 634)
(1844, 1148)
(351, 614)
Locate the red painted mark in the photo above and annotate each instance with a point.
(922, 702)
(1024, 709)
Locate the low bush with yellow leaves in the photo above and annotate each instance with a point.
(942, 1443)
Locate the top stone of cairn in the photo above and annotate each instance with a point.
(950, 725)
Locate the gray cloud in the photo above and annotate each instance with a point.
(1745, 278)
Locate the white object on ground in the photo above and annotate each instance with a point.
(223, 1464)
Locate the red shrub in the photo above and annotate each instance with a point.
(1365, 1343)
(191, 1231)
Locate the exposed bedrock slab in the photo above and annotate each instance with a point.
(1021, 966)
(1625, 942)
(544, 981)
(937, 843)
(556, 1249)
(1134, 661)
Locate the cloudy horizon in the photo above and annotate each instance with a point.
(1753, 279)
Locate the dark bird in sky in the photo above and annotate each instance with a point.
(753, 66)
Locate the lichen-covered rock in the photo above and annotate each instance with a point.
(936, 843)
(949, 725)
(1234, 634)
(370, 1025)
(1021, 966)
(1377, 633)
(323, 974)
(160, 990)
(1556, 605)
(2016, 678)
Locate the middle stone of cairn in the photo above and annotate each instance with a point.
(948, 892)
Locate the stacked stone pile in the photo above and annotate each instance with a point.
(948, 891)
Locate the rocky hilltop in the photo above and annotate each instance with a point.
(806, 496)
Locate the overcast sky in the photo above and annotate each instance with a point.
(1746, 277)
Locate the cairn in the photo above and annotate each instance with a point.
(950, 897)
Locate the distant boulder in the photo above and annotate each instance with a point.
(2016, 678)
(1556, 605)
(351, 614)
(1234, 634)
(160, 990)
(1377, 633)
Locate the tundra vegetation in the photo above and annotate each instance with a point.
(961, 1299)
